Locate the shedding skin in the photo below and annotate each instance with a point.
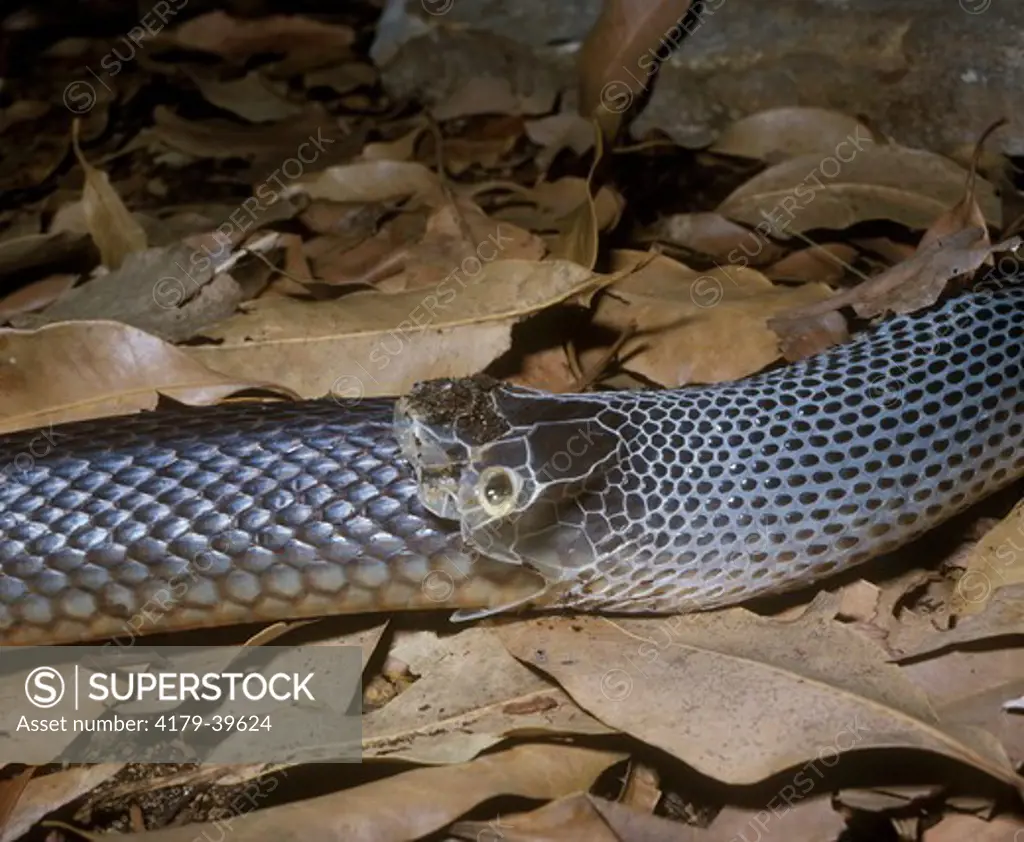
(699, 498)
(474, 496)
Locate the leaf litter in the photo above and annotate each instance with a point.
(279, 227)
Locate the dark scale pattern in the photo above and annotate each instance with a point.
(717, 494)
(234, 513)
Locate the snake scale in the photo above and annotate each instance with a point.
(478, 496)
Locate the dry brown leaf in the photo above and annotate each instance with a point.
(37, 250)
(885, 248)
(22, 111)
(622, 53)
(825, 263)
(170, 292)
(910, 286)
(714, 235)
(463, 153)
(116, 233)
(780, 820)
(969, 687)
(566, 130)
(35, 296)
(412, 804)
(547, 369)
(372, 343)
(458, 237)
(904, 185)
(577, 239)
(625, 672)
(579, 817)
(961, 828)
(252, 97)
(338, 262)
(48, 793)
(694, 327)
(236, 39)
(317, 136)
(372, 181)
(779, 134)
(1002, 615)
(995, 562)
(492, 95)
(70, 372)
(449, 715)
(540, 208)
(342, 78)
(964, 214)
(859, 601)
(400, 149)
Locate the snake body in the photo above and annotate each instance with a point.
(623, 501)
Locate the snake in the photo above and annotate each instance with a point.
(479, 497)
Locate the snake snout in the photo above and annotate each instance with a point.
(437, 460)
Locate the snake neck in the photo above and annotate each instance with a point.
(707, 496)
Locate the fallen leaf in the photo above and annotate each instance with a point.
(906, 287)
(577, 817)
(780, 820)
(372, 181)
(458, 237)
(827, 264)
(251, 97)
(372, 343)
(622, 53)
(412, 804)
(462, 154)
(859, 601)
(968, 687)
(996, 561)
(171, 292)
(544, 207)
(342, 78)
(36, 251)
(47, 793)
(95, 369)
(400, 149)
(889, 250)
(965, 214)
(116, 233)
(236, 39)
(1002, 615)
(713, 235)
(957, 828)
(22, 111)
(779, 134)
(625, 672)
(35, 296)
(566, 130)
(694, 327)
(492, 95)
(909, 186)
(450, 716)
(302, 144)
(577, 239)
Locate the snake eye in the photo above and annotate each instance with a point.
(497, 490)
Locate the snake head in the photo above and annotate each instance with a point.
(525, 473)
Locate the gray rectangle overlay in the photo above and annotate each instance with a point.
(180, 704)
